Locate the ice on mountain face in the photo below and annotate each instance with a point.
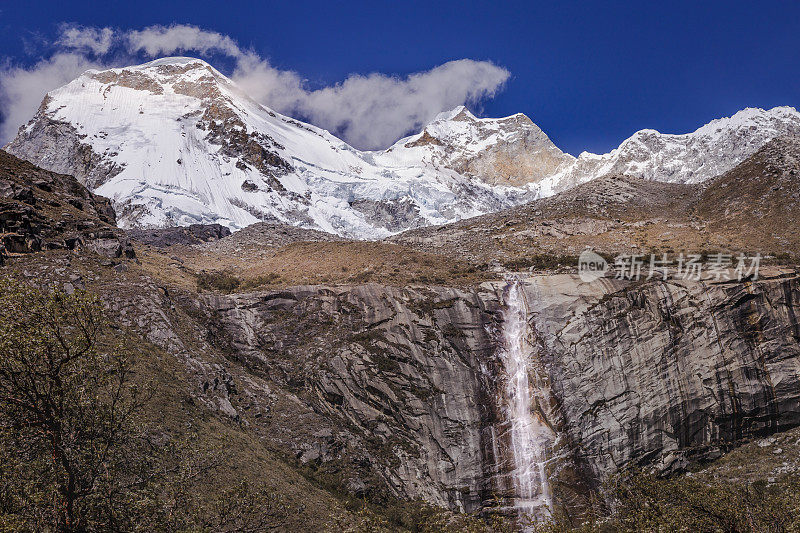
(510, 151)
(175, 142)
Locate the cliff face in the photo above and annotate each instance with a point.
(384, 392)
(666, 373)
(393, 383)
(399, 391)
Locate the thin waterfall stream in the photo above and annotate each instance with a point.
(525, 388)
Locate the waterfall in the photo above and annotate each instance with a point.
(530, 435)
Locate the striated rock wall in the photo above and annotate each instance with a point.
(398, 377)
(403, 383)
(665, 373)
(387, 392)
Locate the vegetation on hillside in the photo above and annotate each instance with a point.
(644, 502)
(75, 452)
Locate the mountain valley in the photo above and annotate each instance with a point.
(403, 340)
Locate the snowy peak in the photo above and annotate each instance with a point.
(457, 113)
(751, 117)
(709, 151)
(178, 75)
(175, 142)
(510, 151)
(179, 61)
(751, 122)
(462, 127)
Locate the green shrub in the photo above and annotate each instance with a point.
(258, 281)
(217, 281)
(75, 453)
(646, 502)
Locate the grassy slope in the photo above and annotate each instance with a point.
(308, 263)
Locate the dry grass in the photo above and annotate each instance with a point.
(310, 263)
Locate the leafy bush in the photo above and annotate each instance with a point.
(66, 412)
(218, 281)
(645, 502)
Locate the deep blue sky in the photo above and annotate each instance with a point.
(589, 74)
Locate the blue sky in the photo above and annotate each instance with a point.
(588, 73)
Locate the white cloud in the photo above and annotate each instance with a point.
(281, 90)
(95, 40)
(22, 89)
(374, 111)
(180, 38)
(368, 111)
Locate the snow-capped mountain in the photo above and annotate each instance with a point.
(175, 142)
(694, 157)
(511, 151)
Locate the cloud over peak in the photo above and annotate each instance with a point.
(368, 111)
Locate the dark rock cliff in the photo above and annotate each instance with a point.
(42, 210)
(400, 386)
(394, 383)
(664, 373)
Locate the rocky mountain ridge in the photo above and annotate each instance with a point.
(750, 208)
(41, 210)
(694, 157)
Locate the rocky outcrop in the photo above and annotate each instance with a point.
(58, 146)
(510, 151)
(402, 388)
(41, 210)
(395, 215)
(396, 380)
(194, 234)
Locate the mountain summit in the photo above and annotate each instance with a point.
(175, 142)
(510, 151)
